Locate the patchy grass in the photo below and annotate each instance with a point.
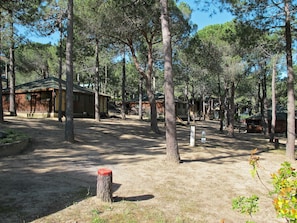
(10, 136)
(123, 211)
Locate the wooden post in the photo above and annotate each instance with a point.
(104, 184)
(192, 135)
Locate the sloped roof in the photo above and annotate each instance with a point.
(50, 83)
(280, 115)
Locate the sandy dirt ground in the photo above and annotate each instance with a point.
(54, 179)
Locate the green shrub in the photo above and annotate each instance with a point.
(285, 191)
(246, 205)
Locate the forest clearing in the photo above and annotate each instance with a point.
(55, 181)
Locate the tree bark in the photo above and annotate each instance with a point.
(97, 83)
(148, 84)
(60, 73)
(290, 147)
(123, 110)
(69, 125)
(232, 110)
(1, 102)
(140, 98)
(12, 105)
(172, 153)
(273, 102)
(265, 106)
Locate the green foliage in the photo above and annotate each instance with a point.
(96, 217)
(285, 189)
(246, 205)
(285, 192)
(11, 136)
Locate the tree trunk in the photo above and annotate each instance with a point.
(60, 73)
(148, 79)
(123, 110)
(12, 105)
(265, 103)
(140, 98)
(221, 114)
(97, 83)
(231, 110)
(273, 102)
(105, 79)
(172, 153)
(188, 104)
(69, 126)
(290, 147)
(1, 102)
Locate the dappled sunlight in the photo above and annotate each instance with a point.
(55, 174)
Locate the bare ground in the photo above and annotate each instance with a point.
(55, 181)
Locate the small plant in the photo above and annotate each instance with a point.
(96, 218)
(246, 205)
(254, 162)
(285, 189)
(11, 136)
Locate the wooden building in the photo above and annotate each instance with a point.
(180, 106)
(40, 98)
(255, 123)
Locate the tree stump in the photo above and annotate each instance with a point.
(104, 184)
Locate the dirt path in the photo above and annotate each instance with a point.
(55, 174)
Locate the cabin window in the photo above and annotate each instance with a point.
(46, 95)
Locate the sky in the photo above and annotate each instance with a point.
(202, 19)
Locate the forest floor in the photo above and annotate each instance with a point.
(55, 181)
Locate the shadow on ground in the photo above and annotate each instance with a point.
(54, 174)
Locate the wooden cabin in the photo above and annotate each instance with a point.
(255, 125)
(40, 98)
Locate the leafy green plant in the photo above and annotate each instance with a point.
(246, 205)
(285, 189)
(285, 192)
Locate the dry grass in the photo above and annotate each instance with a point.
(58, 179)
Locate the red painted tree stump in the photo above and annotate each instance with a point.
(104, 185)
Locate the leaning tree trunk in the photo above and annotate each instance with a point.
(148, 78)
(290, 148)
(69, 126)
(172, 153)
